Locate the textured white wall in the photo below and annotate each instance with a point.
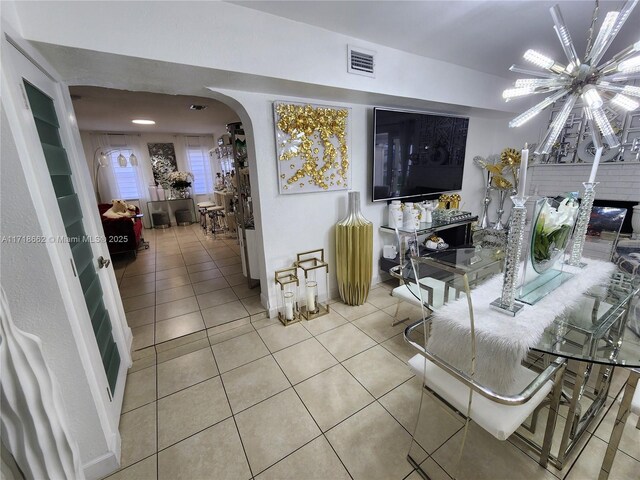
(28, 277)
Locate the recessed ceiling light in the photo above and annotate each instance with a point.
(140, 121)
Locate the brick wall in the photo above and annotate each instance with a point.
(619, 181)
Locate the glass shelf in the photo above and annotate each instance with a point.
(434, 226)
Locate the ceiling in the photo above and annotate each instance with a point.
(488, 36)
(109, 110)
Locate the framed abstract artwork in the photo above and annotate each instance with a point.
(312, 147)
(163, 161)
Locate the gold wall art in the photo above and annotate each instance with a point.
(312, 147)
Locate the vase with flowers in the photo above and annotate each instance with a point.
(552, 230)
(180, 183)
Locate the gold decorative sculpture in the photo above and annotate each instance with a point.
(354, 254)
(312, 144)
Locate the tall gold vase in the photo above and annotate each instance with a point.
(354, 254)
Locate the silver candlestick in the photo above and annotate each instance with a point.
(584, 215)
(506, 303)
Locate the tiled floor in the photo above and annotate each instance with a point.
(218, 391)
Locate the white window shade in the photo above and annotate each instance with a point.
(127, 183)
(199, 165)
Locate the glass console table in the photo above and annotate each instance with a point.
(463, 236)
(593, 333)
(435, 226)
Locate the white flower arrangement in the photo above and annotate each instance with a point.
(180, 180)
(180, 176)
(553, 228)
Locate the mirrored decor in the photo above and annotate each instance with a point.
(506, 303)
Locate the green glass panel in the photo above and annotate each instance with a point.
(47, 125)
(48, 134)
(41, 105)
(93, 296)
(112, 369)
(75, 233)
(82, 256)
(86, 278)
(104, 337)
(70, 209)
(62, 185)
(57, 161)
(98, 317)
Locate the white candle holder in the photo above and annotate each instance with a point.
(288, 310)
(313, 265)
(580, 233)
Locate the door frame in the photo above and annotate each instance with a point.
(43, 197)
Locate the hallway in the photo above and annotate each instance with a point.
(218, 391)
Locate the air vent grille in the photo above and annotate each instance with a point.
(360, 61)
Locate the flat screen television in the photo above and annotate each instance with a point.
(417, 154)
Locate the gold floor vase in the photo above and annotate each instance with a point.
(354, 254)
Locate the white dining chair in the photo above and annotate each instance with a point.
(498, 413)
(626, 407)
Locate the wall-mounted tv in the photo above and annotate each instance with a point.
(417, 154)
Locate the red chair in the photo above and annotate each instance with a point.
(122, 234)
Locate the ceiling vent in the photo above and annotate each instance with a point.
(197, 107)
(360, 61)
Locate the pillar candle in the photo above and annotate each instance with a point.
(288, 311)
(594, 167)
(311, 298)
(524, 160)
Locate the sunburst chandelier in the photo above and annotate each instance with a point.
(595, 84)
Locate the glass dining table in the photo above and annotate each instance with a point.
(594, 334)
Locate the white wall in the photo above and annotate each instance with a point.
(296, 223)
(234, 39)
(246, 46)
(35, 299)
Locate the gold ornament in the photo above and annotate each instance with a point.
(510, 157)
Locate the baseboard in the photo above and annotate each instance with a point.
(102, 466)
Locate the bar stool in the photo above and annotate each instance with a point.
(216, 214)
(202, 208)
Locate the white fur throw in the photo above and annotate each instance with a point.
(502, 342)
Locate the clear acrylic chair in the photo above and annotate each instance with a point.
(460, 390)
(407, 291)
